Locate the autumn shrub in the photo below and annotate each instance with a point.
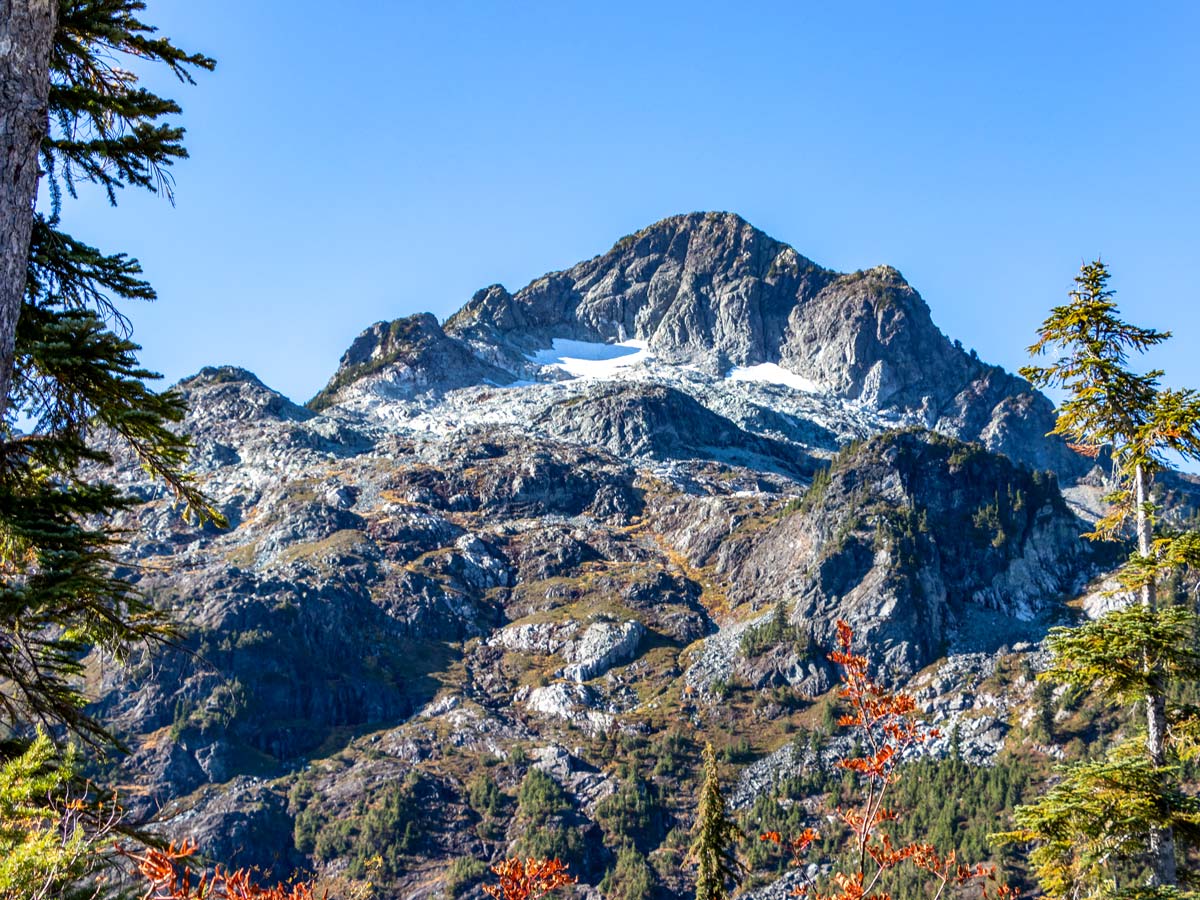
(528, 878)
(885, 731)
(169, 876)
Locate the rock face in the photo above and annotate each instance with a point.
(409, 356)
(482, 544)
(601, 647)
(661, 422)
(911, 535)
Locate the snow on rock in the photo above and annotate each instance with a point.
(584, 359)
(770, 373)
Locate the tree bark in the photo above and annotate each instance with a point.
(26, 37)
(1162, 840)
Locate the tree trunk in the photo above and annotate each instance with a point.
(26, 36)
(1162, 840)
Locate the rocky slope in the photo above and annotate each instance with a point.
(575, 531)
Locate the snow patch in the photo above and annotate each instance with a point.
(770, 373)
(584, 359)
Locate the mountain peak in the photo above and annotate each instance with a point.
(710, 292)
(408, 355)
(710, 223)
(700, 288)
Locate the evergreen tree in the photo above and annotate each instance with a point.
(1108, 819)
(72, 395)
(75, 383)
(716, 835)
(630, 879)
(46, 848)
(26, 34)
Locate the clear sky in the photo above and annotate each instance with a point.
(359, 161)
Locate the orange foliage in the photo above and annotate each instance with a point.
(528, 879)
(169, 878)
(886, 729)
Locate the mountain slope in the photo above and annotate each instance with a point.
(550, 536)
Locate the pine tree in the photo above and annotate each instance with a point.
(26, 33)
(74, 377)
(1107, 819)
(713, 849)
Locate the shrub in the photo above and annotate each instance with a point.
(169, 878)
(885, 730)
(527, 879)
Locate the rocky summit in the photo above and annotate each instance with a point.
(492, 588)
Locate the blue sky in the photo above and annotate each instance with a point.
(361, 161)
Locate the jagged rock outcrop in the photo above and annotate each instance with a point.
(910, 537)
(601, 647)
(408, 356)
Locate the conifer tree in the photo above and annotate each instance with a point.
(713, 849)
(74, 376)
(26, 33)
(1108, 819)
(72, 395)
(49, 845)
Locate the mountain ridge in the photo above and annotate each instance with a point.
(505, 545)
(710, 293)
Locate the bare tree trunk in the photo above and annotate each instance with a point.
(1162, 840)
(26, 36)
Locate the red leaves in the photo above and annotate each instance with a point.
(886, 729)
(798, 844)
(169, 878)
(845, 635)
(527, 879)
(807, 836)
